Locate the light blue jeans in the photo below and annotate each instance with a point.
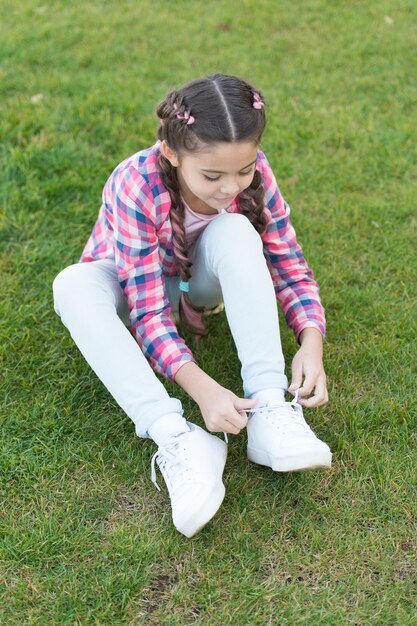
(228, 266)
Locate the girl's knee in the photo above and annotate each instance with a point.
(238, 225)
(63, 276)
(235, 232)
(87, 284)
(63, 285)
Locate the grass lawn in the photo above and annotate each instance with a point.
(85, 537)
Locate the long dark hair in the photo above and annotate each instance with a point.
(223, 111)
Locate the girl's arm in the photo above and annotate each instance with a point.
(130, 208)
(297, 292)
(295, 287)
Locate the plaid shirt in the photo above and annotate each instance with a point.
(134, 229)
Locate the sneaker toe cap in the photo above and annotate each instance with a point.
(197, 507)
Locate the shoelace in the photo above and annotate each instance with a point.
(290, 410)
(294, 403)
(169, 461)
(169, 453)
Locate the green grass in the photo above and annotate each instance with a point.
(85, 537)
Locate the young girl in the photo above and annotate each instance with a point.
(194, 223)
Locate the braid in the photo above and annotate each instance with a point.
(190, 314)
(251, 204)
(166, 109)
(171, 128)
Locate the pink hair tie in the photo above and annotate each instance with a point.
(187, 117)
(257, 102)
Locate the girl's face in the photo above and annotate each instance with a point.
(212, 178)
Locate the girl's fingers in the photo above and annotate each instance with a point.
(310, 382)
(297, 378)
(295, 384)
(239, 420)
(320, 395)
(231, 428)
(232, 424)
(314, 401)
(225, 427)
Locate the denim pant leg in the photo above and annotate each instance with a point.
(229, 265)
(91, 304)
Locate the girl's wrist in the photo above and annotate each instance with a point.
(311, 338)
(310, 334)
(195, 381)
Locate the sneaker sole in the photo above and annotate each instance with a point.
(214, 311)
(292, 463)
(207, 511)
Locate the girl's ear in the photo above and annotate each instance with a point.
(169, 154)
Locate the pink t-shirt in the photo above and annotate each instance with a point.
(194, 223)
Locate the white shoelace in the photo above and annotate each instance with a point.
(170, 462)
(290, 414)
(294, 403)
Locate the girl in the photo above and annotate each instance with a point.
(194, 223)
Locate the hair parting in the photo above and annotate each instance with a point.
(229, 119)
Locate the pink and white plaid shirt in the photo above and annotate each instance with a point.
(134, 229)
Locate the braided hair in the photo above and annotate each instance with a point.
(219, 108)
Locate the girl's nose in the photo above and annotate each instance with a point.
(230, 188)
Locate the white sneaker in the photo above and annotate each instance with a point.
(192, 465)
(280, 438)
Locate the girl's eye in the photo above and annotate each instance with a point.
(218, 177)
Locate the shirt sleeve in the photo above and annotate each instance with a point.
(131, 208)
(294, 284)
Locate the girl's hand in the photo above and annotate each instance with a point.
(220, 410)
(307, 370)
